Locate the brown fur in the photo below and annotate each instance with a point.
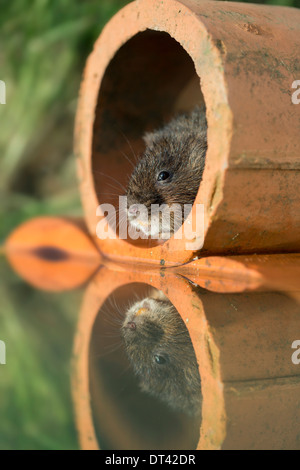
(179, 147)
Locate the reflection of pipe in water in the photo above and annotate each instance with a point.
(111, 409)
(55, 254)
(242, 342)
(52, 253)
(150, 420)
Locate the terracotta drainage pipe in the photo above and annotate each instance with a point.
(155, 58)
(250, 386)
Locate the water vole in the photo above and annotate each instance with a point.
(169, 172)
(161, 353)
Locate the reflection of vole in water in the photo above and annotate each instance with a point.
(169, 172)
(161, 353)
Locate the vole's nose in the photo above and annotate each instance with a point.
(130, 325)
(133, 210)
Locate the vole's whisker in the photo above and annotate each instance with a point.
(110, 177)
(106, 352)
(128, 159)
(129, 144)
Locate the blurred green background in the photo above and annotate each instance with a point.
(44, 45)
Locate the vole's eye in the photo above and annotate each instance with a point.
(163, 175)
(159, 359)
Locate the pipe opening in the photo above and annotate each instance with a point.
(150, 80)
(137, 375)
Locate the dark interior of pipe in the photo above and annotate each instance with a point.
(149, 80)
(124, 416)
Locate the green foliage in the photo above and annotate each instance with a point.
(37, 327)
(44, 45)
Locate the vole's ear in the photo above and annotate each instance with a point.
(149, 138)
